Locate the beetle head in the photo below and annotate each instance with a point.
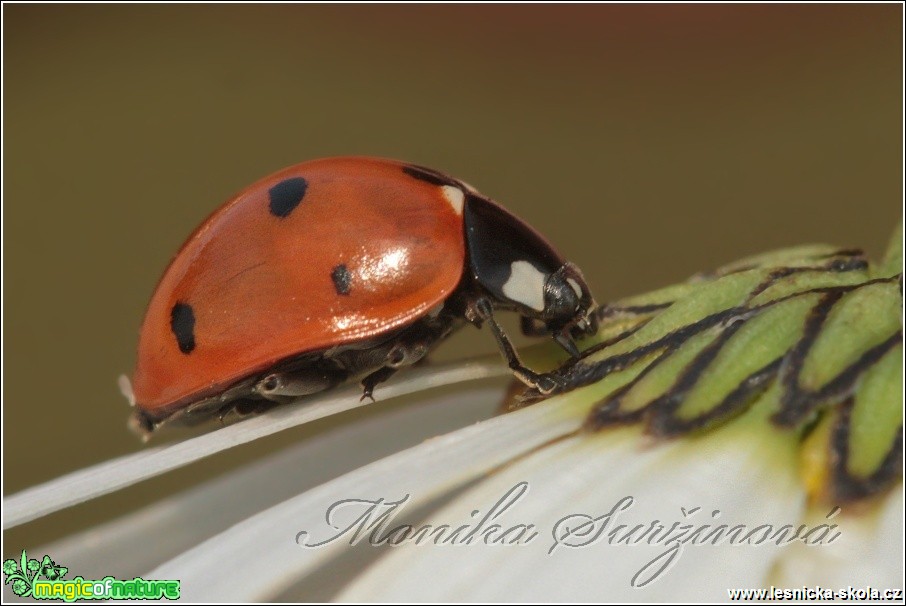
(520, 270)
(568, 311)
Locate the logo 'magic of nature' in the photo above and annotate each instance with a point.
(43, 580)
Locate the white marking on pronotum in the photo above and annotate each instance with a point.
(525, 285)
(455, 197)
(575, 286)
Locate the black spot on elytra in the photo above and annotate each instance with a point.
(182, 323)
(341, 279)
(426, 174)
(286, 195)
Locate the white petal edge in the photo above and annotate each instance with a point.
(869, 551)
(106, 477)
(173, 525)
(591, 475)
(259, 558)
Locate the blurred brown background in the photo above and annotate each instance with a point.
(647, 142)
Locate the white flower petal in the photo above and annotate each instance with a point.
(170, 526)
(868, 552)
(259, 557)
(91, 482)
(725, 471)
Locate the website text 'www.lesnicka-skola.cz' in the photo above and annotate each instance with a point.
(855, 594)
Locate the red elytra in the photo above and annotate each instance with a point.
(339, 268)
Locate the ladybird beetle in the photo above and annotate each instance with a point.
(340, 268)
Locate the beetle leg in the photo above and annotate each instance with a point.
(405, 352)
(532, 327)
(239, 409)
(535, 328)
(282, 386)
(544, 383)
(372, 380)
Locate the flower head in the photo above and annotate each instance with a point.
(20, 587)
(739, 430)
(10, 566)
